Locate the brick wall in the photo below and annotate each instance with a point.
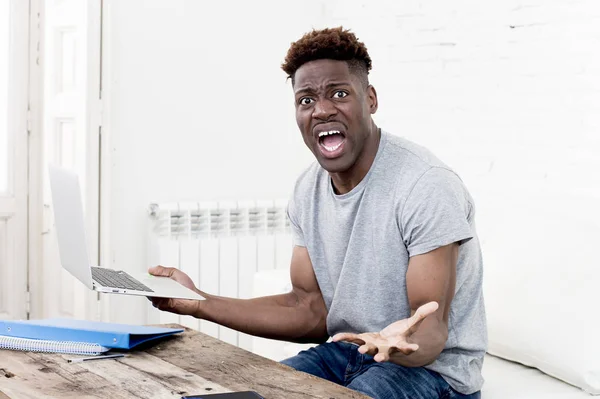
(508, 94)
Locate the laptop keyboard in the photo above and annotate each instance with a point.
(117, 279)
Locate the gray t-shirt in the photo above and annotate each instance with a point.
(409, 203)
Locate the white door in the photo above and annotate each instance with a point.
(13, 158)
(70, 140)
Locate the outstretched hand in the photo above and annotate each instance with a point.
(173, 305)
(394, 338)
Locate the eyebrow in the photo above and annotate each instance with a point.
(310, 89)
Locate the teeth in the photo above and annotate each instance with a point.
(328, 133)
(335, 147)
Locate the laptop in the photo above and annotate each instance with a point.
(74, 257)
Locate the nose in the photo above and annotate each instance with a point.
(324, 109)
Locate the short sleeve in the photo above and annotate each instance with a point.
(297, 234)
(436, 212)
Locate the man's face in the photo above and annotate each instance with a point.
(333, 112)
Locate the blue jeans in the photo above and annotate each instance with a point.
(340, 362)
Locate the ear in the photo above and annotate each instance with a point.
(372, 99)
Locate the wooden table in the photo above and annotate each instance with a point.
(188, 363)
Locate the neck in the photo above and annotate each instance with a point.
(344, 182)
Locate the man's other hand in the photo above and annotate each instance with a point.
(392, 339)
(179, 306)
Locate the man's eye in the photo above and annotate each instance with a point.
(340, 94)
(305, 100)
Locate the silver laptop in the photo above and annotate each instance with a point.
(70, 232)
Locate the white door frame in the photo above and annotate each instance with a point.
(94, 130)
(36, 152)
(94, 124)
(104, 254)
(13, 207)
(37, 224)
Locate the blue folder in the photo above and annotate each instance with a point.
(110, 335)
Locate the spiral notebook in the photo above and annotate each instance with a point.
(47, 346)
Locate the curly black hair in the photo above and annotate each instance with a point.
(329, 43)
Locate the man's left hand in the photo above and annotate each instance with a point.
(394, 338)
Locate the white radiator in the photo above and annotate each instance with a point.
(221, 246)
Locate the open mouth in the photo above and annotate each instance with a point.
(331, 141)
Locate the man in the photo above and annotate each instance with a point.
(386, 259)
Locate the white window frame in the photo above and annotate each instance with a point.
(37, 225)
(13, 201)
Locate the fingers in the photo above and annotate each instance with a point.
(368, 349)
(164, 304)
(183, 307)
(421, 313)
(373, 345)
(168, 305)
(158, 303)
(344, 337)
(173, 274)
(162, 271)
(405, 348)
(348, 337)
(366, 346)
(382, 357)
(383, 353)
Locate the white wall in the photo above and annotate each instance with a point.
(507, 93)
(199, 109)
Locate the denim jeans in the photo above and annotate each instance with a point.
(340, 362)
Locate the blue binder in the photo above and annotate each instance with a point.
(110, 335)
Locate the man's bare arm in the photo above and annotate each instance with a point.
(418, 340)
(298, 316)
(431, 277)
